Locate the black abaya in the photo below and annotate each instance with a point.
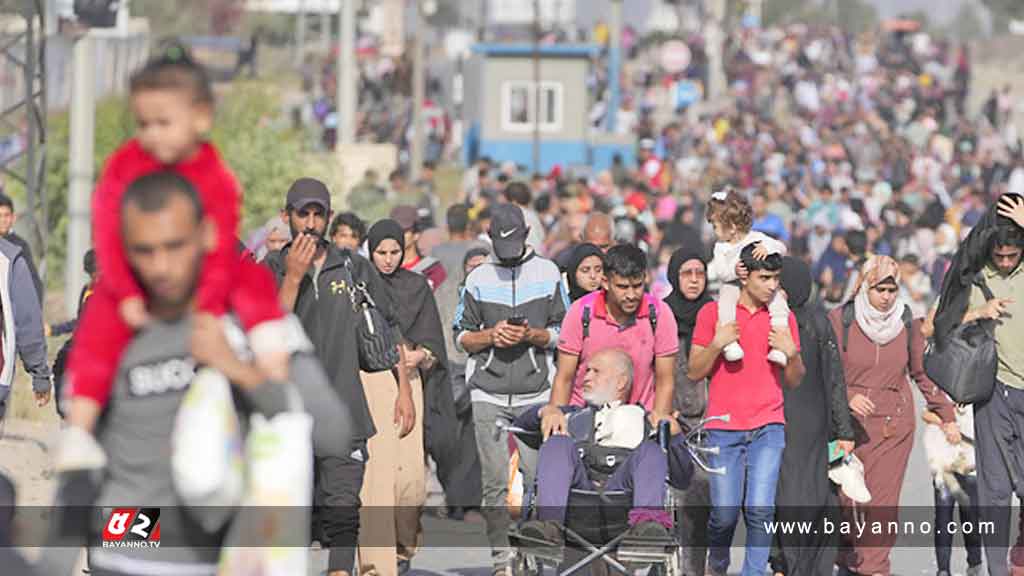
(816, 411)
(446, 438)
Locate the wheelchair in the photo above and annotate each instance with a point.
(597, 525)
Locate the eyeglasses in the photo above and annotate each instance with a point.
(697, 273)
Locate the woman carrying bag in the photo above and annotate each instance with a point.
(873, 334)
(427, 366)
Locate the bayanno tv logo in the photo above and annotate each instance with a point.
(132, 528)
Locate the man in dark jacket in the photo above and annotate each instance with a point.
(315, 277)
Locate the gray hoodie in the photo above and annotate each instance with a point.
(22, 321)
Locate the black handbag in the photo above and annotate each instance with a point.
(964, 364)
(378, 349)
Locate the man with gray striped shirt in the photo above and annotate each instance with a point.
(508, 322)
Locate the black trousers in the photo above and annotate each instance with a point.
(999, 451)
(337, 503)
(944, 508)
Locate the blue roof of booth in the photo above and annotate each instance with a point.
(549, 50)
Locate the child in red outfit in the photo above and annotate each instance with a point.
(172, 103)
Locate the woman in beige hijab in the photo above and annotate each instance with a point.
(872, 333)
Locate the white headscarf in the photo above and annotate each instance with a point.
(880, 327)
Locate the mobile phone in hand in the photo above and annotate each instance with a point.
(517, 321)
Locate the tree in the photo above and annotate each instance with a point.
(1003, 11)
(856, 16)
(921, 17)
(967, 25)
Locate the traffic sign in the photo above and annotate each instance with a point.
(687, 93)
(675, 56)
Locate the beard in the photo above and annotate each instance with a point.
(320, 235)
(598, 397)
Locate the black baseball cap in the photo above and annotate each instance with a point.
(306, 191)
(508, 231)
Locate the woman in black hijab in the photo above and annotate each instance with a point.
(584, 271)
(422, 337)
(687, 273)
(816, 412)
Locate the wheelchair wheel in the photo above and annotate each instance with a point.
(674, 566)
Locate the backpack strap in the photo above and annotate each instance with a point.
(982, 285)
(908, 322)
(586, 322)
(847, 317)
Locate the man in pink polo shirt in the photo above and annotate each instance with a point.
(750, 444)
(621, 316)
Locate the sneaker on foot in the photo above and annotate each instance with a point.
(78, 450)
(733, 352)
(403, 566)
(544, 530)
(777, 357)
(974, 570)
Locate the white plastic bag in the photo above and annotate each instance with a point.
(206, 457)
(269, 534)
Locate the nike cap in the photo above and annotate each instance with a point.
(508, 231)
(306, 191)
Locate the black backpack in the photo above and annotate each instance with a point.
(964, 363)
(848, 318)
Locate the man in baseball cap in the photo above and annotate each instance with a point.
(313, 276)
(508, 232)
(510, 313)
(306, 191)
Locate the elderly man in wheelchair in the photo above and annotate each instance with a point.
(609, 448)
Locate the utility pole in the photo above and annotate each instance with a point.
(83, 110)
(22, 53)
(325, 31)
(614, 65)
(345, 95)
(536, 86)
(300, 34)
(418, 86)
(714, 39)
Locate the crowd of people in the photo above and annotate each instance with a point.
(856, 160)
(778, 262)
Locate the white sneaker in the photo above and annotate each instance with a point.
(777, 357)
(733, 352)
(849, 475)
(78, 450)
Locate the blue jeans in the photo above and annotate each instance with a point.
(751, 459)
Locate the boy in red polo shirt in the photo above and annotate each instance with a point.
(750, 444)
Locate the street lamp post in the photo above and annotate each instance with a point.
(423, 8)
(345, 93)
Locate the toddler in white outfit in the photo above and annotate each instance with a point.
(731, 215)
